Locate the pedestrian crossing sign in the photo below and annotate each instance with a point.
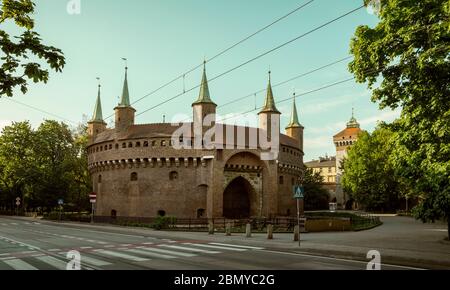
(299, 192)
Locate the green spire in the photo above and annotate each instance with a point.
(204, 96)
(98, 116)
(269, 104)
(125, 100)
(294, 123)
(353, 123)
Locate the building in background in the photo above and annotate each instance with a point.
(343, 141)
(326, 166)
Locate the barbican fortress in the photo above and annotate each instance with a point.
(148, 170)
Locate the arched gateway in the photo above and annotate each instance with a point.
(236, 199)
(242, 196)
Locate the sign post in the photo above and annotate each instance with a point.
(299, 194)
(93, 199)
(17, 204)
(60, 203)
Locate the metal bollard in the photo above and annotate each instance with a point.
(248, 231)
(228, 229)
(296, 233)
(270, 232)
(211, 228)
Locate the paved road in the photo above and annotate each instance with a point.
(26, 244)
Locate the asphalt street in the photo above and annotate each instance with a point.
(27, 244)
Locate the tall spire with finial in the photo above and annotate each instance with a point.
(125, 99)
(269, 104)
(204, 96)
(98, 115)
(353, 123)
(294, 123)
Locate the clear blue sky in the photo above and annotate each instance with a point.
(162, 39)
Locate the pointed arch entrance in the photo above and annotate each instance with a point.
(236, 199)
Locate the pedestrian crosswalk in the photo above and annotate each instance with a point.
(108, 257)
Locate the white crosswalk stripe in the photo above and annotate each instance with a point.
(93, 261)
(237, 246)
(18, 264)
(190, 249)
(216, 247)
(162, 251)
(150, 254)
(121, 255)
(58, 264)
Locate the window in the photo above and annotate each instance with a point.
(329, 169)
(145, 143)
(200, 213)
(153, 143)
(163, 143)
(161, 213)
(173, 175)
(138, 144)
(281, 179)
(117, 146)
(130, 145)
(100, 178)
(110, 146)
(293, 181)
(134, 176)
(124, 145)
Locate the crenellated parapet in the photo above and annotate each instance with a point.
(160, 162)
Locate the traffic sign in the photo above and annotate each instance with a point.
(17, 203)
(299, 192)
(93, 197)
(60, 201)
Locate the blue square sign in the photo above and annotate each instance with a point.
(299, 192)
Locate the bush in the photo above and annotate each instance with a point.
(163, 222)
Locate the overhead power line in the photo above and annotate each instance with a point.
(254, 58)
(224, 51)
(40, 110)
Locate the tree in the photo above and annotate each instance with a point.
(44, 165)
(16, 162)
(316, 197)
(53, 152)
(16, 69)
(369, 174)
(408, 52)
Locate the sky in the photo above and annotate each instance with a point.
(162, 39)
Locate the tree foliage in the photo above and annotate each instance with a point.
(44, 165)
(16, 70)
(408, 52)
(316, 197)
(369, 174)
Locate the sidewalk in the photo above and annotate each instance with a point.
(400, 240)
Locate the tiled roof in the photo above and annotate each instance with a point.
(348, 132)
(165, 130)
